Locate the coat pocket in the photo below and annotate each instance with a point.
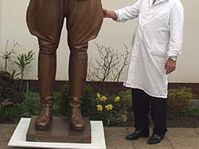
(159, 48)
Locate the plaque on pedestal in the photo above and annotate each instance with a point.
(60, 131)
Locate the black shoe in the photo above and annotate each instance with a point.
(137, 134)
(155, 138)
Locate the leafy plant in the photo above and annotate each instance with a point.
(9, 114)
(126, 101)
(178, 99)
(192, 112)
(88, 101)
(30, 105)
(110, 109)
(7, 53)
(23, 60)
(8, 89)
(61, 102)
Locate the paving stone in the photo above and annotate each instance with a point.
(182, 132)
(130, 129)
(142, 144)
(115, 138)
(183, 138)
(6, 131)
(182, 142)
(196, 130)
(3, 145)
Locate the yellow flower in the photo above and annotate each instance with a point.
(109, 107)
(117, 99)
(103, 98)
(98, 95)
(99, 108)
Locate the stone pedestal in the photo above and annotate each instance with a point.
(19, 139)
(60, 131)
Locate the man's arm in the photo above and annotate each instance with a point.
(176, 36)
(176, 30)
(124, 14)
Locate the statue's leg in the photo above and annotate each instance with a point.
(84, 19)
(45, 19)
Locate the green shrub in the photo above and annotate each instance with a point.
(9, 114)
(192, 112)
(30, 105)
(178, 99)
(112, 109)
(126, 101)
(88, 101)
(9, 90)
(106, 108)
(61, 102)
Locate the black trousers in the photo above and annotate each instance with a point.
(143, 104)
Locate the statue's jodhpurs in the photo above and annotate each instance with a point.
(45, 20)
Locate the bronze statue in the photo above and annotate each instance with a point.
(45, 20)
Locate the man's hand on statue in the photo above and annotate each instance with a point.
(109, 14)
(170, 65)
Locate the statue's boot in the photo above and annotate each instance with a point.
(76, 118)
(77, 77)
(43, 121)
(46, 75)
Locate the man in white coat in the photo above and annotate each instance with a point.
(156, 45)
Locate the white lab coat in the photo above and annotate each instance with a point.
(159, 35)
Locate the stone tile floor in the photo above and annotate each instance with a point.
(176, 138)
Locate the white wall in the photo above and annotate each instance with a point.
(13, 27)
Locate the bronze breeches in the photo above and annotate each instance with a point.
(45, 20)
